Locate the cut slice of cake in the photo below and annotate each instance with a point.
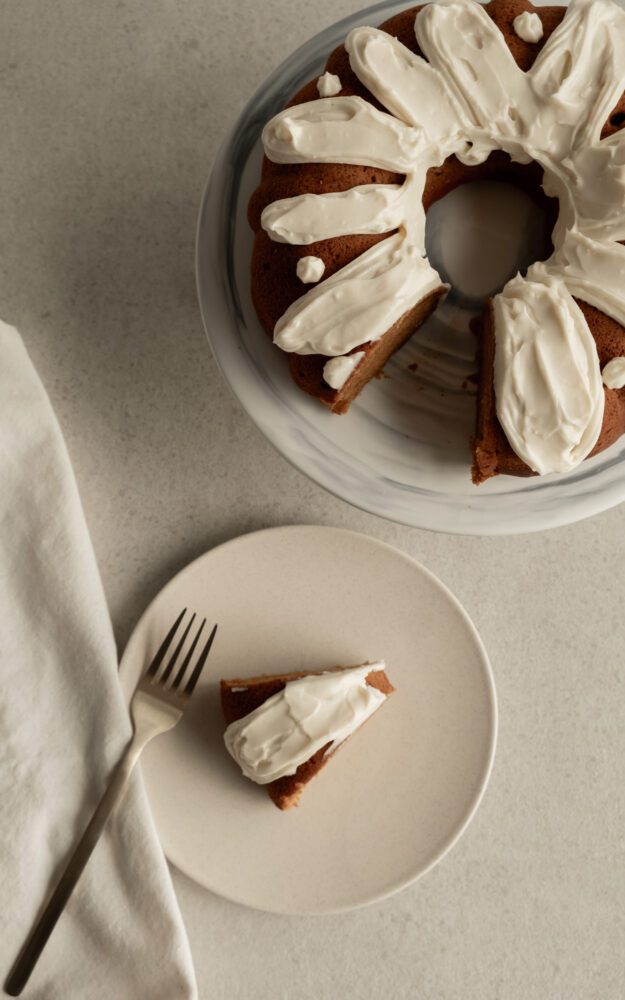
(283, 729)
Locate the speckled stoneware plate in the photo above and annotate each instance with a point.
(397, 796)
(402, 451)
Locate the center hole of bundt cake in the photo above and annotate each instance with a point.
(481, 234)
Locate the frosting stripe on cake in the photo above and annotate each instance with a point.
(593, 271)
(470, 98)
(341, 130)
(358, 303)
(306, 218)
(547, 376)
(462, 42)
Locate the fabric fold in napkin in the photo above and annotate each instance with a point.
(63, 727)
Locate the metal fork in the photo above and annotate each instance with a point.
(157, 705)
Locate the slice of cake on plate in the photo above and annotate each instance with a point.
(283, 729)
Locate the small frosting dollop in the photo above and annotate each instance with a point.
(336, 371)
(528, 27)
(614, 374)
(328, 85)
(310, 269)
(288, 728)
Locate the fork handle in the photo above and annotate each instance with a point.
(40, 933)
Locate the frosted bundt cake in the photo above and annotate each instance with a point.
(283, 729)
(445, 93)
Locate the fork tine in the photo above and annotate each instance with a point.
(195, 676)
(187, 659)
(176, 653)
(164, 646)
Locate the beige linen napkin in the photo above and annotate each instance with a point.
(63, 726)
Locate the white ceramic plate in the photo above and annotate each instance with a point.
(396, 796)
(402, 451)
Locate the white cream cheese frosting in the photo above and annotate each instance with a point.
(469, 97)
(288, 728)
(529, 27)
(546, 375)
(328, 85)
(383, 283)
(307, 218)
(336, 371)
(614, 374)
(310, 269)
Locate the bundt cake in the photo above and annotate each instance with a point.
(445, 93)
(283, 729)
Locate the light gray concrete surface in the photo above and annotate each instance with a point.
(110, 116)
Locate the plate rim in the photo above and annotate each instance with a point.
(128, 682)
